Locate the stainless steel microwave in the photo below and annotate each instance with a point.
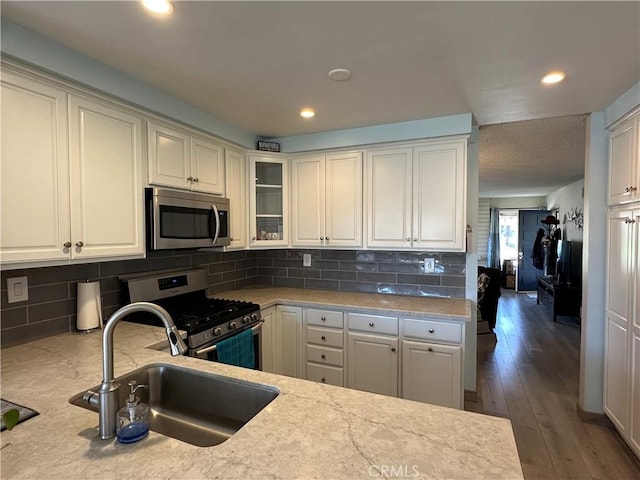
(181, 219)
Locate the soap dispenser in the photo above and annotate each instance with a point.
(133, 418)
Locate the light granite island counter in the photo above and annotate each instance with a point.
(309, 431)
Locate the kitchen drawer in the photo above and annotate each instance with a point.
(373, 323)
(325, 374)
(433, 330)
(325, 336)
(325, 318)
(325, 355)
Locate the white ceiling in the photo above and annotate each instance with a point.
(255, 64)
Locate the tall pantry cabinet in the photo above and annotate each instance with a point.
(622, 332)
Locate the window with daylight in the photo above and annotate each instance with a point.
(508, 235)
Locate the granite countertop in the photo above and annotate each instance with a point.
(309, 431)
(444, 308)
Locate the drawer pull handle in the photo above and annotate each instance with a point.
(430, 349)
(324, 319)
(324, 380)
(323, 356)
(431, 330)
(323, 338)
(371, 324)
(393, 349)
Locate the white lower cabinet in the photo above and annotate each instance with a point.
(431, 373)
(372, 357)
(373, 363)
(268, 345)
(432, 358)
(362, 351)
(282, 340)
(324, 346)
(289, 322)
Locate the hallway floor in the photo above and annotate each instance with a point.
(531, 377)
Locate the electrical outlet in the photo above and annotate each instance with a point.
(429, 265)
(17, 289)
(306, 259)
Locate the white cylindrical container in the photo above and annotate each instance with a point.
(89, 314)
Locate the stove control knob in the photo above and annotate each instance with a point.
(233, 325)
(246, 319)
(217, 331)
(254, 317)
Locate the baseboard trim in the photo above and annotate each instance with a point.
(594, 418)
(470, 396)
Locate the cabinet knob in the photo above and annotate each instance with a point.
(253, 239)
(415, 239)
(393, 349)
(324, 319)
(323, 356)
(430, 349)
(633, 189)
(408, 239)
(321, 238)
(431, 330)
(79, 244)
(231, 239)
(66, 244)
(189, 179)
(327, 239)
(371, 324)
(323, 380)
(196, 180)
(323, 338)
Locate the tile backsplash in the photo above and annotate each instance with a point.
(51, 307)
(399, 273)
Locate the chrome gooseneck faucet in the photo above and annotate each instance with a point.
(108, 392)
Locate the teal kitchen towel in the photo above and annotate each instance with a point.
(238, 350)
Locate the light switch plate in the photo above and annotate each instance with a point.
(17, 289)
(429, 265)
(306, 259)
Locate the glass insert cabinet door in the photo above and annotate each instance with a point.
(269, 200)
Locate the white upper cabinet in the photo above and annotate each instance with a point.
(327, 200)
(72, 186)
(416, 196)
(439, 196)
(178, 159)
(624, 160)
(388, 183)
(35, 171)
(236, 187)
(268, 201)
(107, 217)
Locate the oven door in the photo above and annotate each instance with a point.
(209, 351)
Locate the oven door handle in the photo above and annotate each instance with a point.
(213, 347)
(216, 214)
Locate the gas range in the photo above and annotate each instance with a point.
(182, 293)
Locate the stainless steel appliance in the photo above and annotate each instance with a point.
(207, 321)
(182, 219)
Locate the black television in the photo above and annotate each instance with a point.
(569, 264)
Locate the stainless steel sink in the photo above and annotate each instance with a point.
(199, 408)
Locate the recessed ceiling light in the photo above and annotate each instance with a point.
(552, 77)
(307, 112)
(340, 74)
(159, 7)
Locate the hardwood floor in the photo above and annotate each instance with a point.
(531, 377)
